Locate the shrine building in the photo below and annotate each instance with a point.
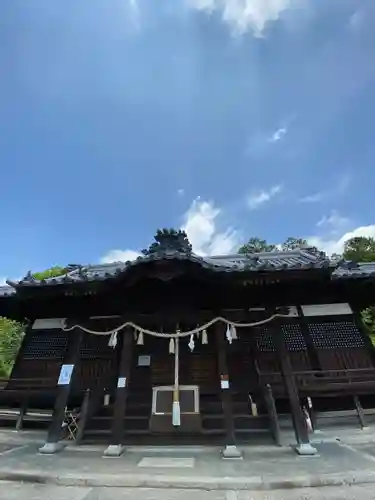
(175, 348)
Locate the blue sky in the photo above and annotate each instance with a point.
(230, 118)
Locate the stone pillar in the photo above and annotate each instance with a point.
(71, 358)
(126, 345)
(300, 428)
(230, 450)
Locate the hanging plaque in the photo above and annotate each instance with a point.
(224, 382)
(144, 360)
(121, 382)
(65, 374)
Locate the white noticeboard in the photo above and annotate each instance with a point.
(225, 384)
(65, 374)
(144, 360)
(121, 382)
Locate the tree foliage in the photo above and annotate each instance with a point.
(52, 272)
(11, 332)
(360, 249)
(11, 335)
(292, 243)
(255, 245)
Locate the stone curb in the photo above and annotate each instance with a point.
(179, 482)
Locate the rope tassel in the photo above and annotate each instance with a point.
(233, 332)
(112, 342)
(140, 340)
(228, 334)
(204, 337)
(191, 343)
(171, 346)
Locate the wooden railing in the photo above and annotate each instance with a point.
(324, 380)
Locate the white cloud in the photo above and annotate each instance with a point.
(133, 13)
(357, 20)
(333, 222)
(338, 190)
(2, 281)
(278, 134)
(119, 256)
(314, 198)
(245, 15)
(259, 198)
(332, 245)
(180, 192)
(201, 225)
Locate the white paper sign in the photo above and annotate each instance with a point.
(144, 360)
(65, 374)
(326, 309)
(225, 384)
(121, 382)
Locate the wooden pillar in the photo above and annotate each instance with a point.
(23, 410)
(230, 450)
(272, 414)
(360, 412)
(303, 443)
(311, 349)
(126, 346)
(64, 385)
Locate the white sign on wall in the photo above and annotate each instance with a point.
(144, 360)
(326, 309)
(121, 382)
(48, 324)
(65, 374)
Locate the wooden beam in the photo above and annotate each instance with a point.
(230, 450)
(126, 345)
(71, 358)
(300, 428)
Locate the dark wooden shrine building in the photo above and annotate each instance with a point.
(303, 347)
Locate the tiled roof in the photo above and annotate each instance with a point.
(6, 291)
(299, 259)
(354, 270)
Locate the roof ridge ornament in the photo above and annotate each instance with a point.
(169, 241)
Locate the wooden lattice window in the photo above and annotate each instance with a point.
(45, 344)
(336, 334)
(293, 336)
(264, 341)
(95, 346)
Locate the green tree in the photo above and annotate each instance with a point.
(255, 245)
(11, 335)
(360, 249)
(292, 243)
(11, 332)
(52, 272)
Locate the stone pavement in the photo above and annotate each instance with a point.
(20, 491)
(350, 461)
